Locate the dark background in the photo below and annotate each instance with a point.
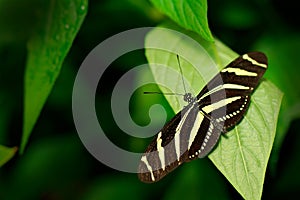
(55, 164)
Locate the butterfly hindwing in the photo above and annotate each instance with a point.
(193, 132)
(204, 143)
(169, 148)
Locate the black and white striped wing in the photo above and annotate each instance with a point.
(232, 88)
(193, 132)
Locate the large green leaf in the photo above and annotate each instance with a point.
(190, 14)
(242, 154)
(59, 22)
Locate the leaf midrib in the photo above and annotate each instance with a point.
(243, 158)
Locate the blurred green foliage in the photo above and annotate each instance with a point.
(55, 164)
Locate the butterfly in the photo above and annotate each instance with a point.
(194, 131)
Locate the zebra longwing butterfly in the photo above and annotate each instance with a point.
(194, 131)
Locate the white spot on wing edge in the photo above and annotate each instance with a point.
(144, 159)
(161, 151)
(254, 62)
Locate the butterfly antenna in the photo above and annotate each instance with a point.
(164, 93)
(187, 96)
(181, 73)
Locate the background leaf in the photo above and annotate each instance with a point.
(107, 187)
(190, 14)
(242, 154)
(6, 154)
(47, 48)
(41, 168)
(196, 176)
(286, 78)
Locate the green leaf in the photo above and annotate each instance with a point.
(189, 14)
(59, 22)
(6, 154)
(242, 154)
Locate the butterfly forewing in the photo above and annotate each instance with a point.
(227, 96)
(193, 132)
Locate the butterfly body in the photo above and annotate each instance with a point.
(195, 130)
